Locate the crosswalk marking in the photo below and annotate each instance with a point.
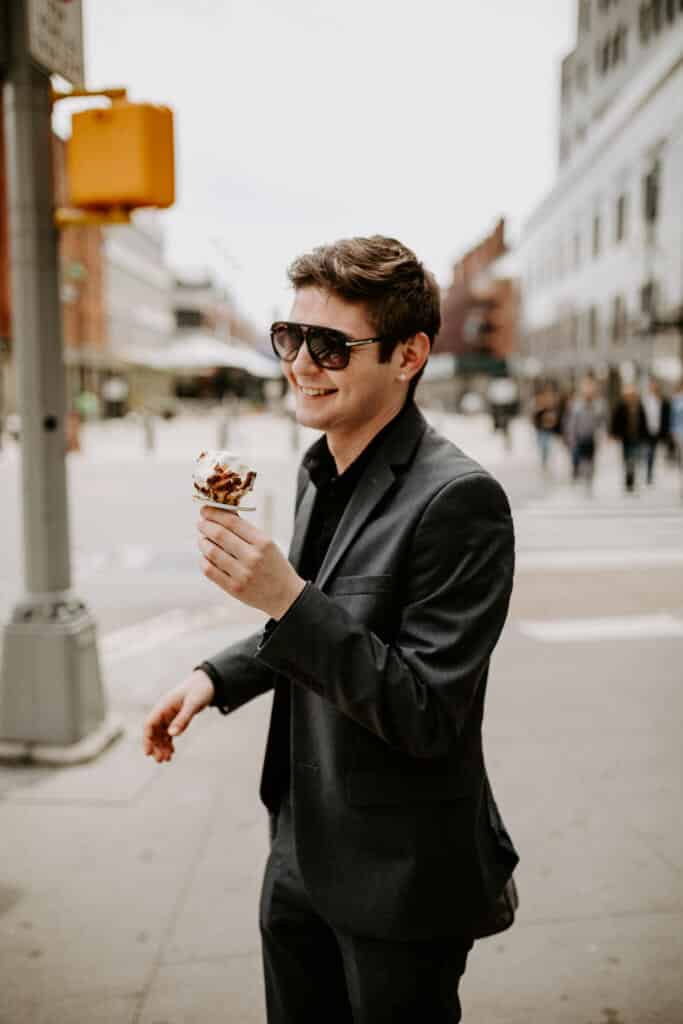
(632, 627)
(150, 633)
(567, 530)
(599, 558)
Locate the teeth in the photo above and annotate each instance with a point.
(316, 391)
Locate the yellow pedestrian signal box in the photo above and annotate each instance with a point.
(121, 156)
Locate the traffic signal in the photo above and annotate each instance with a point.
(121, 156)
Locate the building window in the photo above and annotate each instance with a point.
(574, 330)
(602, 56)
(188, 318)
(596, 235)
(618, 319)
(651, 194)
(585, 16)
(622, 42)
(656, 8)
(593, 326)
(648, 298)
(670, 10)
(621, 218)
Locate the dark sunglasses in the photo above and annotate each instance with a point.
(328, 348)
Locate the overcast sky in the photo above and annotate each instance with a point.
(302, 121)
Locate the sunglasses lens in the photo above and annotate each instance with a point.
(286, 339)
(328, 348)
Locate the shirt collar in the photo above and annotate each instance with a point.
(320, 464)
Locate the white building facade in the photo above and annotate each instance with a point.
(138, 291)
(603, 252)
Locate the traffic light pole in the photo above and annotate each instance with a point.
(52, 705)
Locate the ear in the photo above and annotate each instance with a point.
(410, 356)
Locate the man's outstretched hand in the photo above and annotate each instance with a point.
(173, 713)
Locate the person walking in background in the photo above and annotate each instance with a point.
(658, 421)
(545, 412)
(630, 427)
(388, 853)
(677, 423)
(585, 420)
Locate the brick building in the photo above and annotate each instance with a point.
(479, 309)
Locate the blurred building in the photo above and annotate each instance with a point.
(205, 313)
(117, 302)
(603, 252)
(139, 303)
(479, 311)
(4, 280)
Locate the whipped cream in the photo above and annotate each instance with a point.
(206, 464)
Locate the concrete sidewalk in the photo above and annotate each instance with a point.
(129, 890)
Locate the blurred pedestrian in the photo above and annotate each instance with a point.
(545, 414)
(658, 424)
(677, 423)
(87, 405)
(585, 421)
(503, 398)
(388, 854)
(115, 391)
(629, 426)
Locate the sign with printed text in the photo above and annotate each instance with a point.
(55, 37)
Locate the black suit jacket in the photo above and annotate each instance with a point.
(385, 659)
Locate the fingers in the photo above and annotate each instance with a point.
(169, 718)
(233, 523)
(183, 718)
(224, 539)
(156, 741)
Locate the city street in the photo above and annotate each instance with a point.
(129, 890)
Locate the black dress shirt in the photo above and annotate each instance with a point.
(334, 492)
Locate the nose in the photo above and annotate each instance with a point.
(303, 363)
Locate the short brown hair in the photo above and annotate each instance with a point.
(400, 296)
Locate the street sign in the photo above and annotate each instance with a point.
(55, 38)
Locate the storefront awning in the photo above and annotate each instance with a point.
(198, 350)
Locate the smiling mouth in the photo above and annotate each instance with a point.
(316, 392)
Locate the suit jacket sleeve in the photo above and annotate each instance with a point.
(236, 674)
(415, 693)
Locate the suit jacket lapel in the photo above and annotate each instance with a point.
(394, 451)
(369, 491)
(301, 524)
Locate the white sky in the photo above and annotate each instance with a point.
(302, 121)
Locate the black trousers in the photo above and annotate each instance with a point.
(314, 973)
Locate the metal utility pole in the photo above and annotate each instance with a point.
(52, 704)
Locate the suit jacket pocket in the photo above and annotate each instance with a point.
(367, 788)
(359, 585)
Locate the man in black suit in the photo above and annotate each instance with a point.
(387, 850)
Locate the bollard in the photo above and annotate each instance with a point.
(223, 431)
(294, 434)
(148, 431)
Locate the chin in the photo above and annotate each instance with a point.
(308, 418)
